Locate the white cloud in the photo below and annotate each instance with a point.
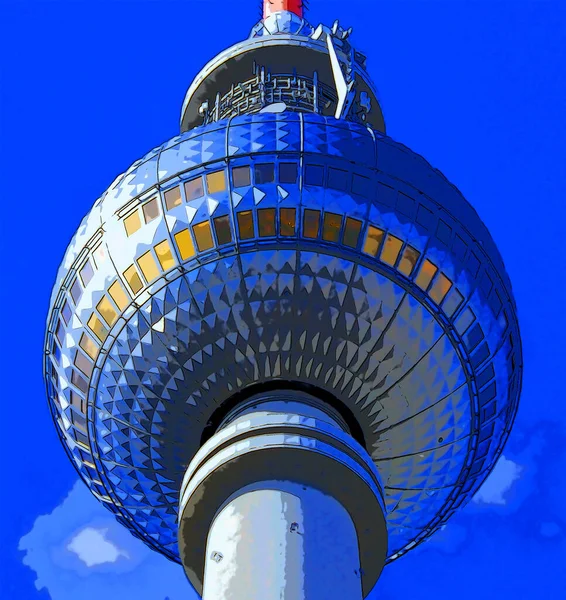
(80, 551)
(499, 482)
(92, 547)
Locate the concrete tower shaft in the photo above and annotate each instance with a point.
(282, 473)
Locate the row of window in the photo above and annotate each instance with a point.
(244, 176)
(330, 227)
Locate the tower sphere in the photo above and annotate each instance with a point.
(281, 246)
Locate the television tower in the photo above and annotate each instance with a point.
(282, 348)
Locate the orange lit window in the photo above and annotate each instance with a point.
(352, 232)
(185, 244)
(216, 182)
(266, 221)
(132, 223)
(287, 221)
(96, 326)
(311, 222)
(203, 236)
(408, 260)
(133, 279)
(118, 294)
(373, 240)
(391, 250)
(440, 288)
(107, 311)
(331, 227)
(148, 266)
(246, 225)
(427, 272)
(164, 256)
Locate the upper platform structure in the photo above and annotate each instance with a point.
(285, 64)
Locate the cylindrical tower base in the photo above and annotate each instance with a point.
(282, 541)
(282, 503)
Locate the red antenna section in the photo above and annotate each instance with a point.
(271, 6)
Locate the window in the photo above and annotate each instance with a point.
(164, 256)
(77, 402)
(216, 182)
(88, 346)
(57, 353)
(118, 294)
(311, 220)
(374, 237)
(133, 279)
(314, 175)
(66, 313)
(361, 186)
(464, 321)
(452, 302)
(132, 223)
(266, 221)
(288, 172)
(96, 326)
(76, 291)
(194, 188)
(107, 311)
(264, 173)
(80, 382)
(185, 244)
(337, 179)
(287, 221)
(86, 273)
(352, 232)
(241, 176)
(83, 363)
(440, 288)
(79, 421)
(150, 210)
(391, 250)
(80, 438)
(222, 229)
(148, 266)
(408, 260)
(427, 272)
(60, 332)
(474, 337)
(331, 227)
(246, 225)
(203, 236)
(172, 197)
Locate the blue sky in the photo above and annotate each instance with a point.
(477, 87)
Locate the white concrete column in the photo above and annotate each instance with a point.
(282, 541)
